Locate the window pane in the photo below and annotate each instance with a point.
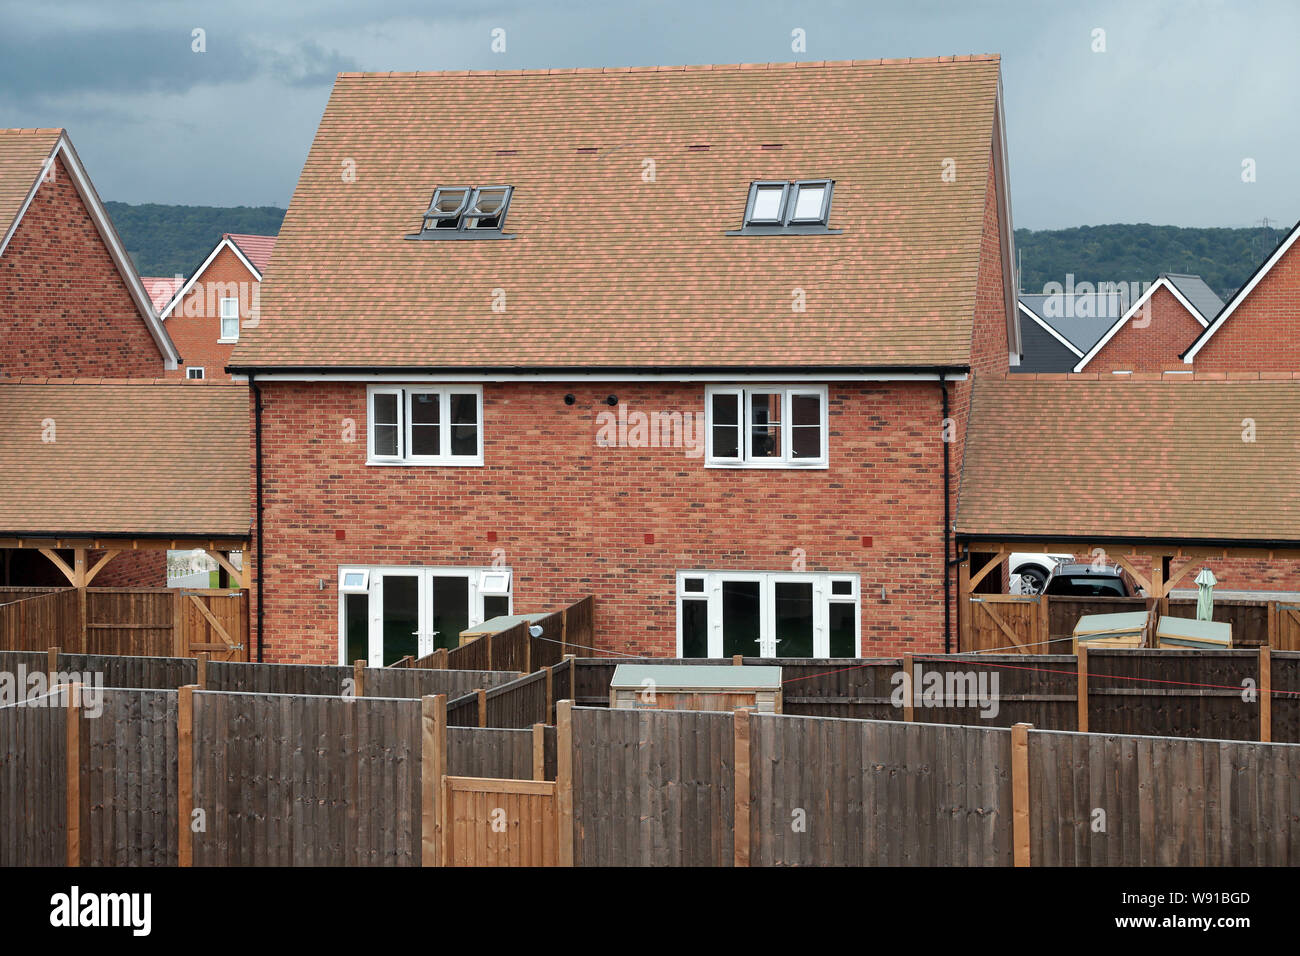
(805, 442)
(740, 615)
(495, 606)
(695, 585)
(229, 308)
(794, 619)
(765, 425)
(426, 412)
(386, 440)
(464, 439)
(767, 203)
(695, 628)
(401, 617)
(384, 409)
(725, 413)
(805, 410)
(841, 630)
(230, 327)
(808, 203)
(356, 627)
(450, 610)
(841, 587)
(464, 409)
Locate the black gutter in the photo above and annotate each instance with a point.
(947, 521)
(257, 469)
(585, 370)
(1261, 543)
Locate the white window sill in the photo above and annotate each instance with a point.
(769, 466)
(465, 462)
(227, 341)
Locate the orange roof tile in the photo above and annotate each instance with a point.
(127, 458)
(257, 248)
(1112, 457)
(23, 153)
(610, 270)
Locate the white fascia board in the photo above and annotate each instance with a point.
(225, 243)
(107, 232)
(1035, 317)
(1241, 295)
(1010, 278)
(603, 377)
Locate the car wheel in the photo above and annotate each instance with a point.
(1032, 580)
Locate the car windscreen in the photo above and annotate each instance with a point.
(1087, 586)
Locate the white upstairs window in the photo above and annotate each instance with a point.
(776, 426)
(230, 320)
(425, 425)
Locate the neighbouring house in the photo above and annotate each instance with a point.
(1058, 329)
(696, 340)
(1152, 335)
(72, 301)
(1259, 328)
(205, 314)
(73, 304)
(161, 289)
(97, 473)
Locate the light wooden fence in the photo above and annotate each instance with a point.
(494, 822)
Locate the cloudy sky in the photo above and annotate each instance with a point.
(1154, 128)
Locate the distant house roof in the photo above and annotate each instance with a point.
(1240, 295)
(1079, 318)
(1175, 458)
(1191, 293)
(257, 248)
(123, 458)
(627, 183)
(26, 158)
(161, 289)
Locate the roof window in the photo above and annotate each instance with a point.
(466, 212)
(787, 208)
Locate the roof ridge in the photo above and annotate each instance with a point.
(679, 68)
(187, 383)
(32, 129)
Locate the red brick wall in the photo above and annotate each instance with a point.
(572, 517)
(195, 323)
(134, 569)
(1166, 331)
(67, 309)
(1264, 332)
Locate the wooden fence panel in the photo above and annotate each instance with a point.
(877, 793)
(1166, 801)
(1173, 693)
(41, 621)
(323, 680)
(213, 620)
(29, 661)
(835, 687)
(986, 690)
(1286, 632)
(133, 621)
(1285, 688)
(474, 656)
(307, 781)
(490, 752)
(652, 788)
(520, 703)
(33, 784)
(1064, 611)
(419, 682)
(579, 626)
(499, 822)
(1007, 623)
(128, 779)
(112, 670)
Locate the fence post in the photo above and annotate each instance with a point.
(564, 631)
(488, 638)
(1266, 694)
(185, 774)
(359, 678)
(203, 670)
(72, 767)
(440, 659)
(738, 660)
(1020, 794)
(1082, 693)
(740, 818)
(909, 699)
(52, 665)
(564, 782)
(433, 767)
(539, 751)
(482, 706)
(550, 693)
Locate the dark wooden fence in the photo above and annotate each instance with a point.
(530, 699)
(37, 622)
(497, 752)
(33, 785)
(569, 632)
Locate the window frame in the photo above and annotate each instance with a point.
(785, 224)
(473, 204)
(824, 215)
(444, 458)
(201, 369)
(767, 580)
(222, 337)
(444, 216)
(754, 188)
(746, 459)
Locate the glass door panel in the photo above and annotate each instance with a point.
(450, 609)
(400, 618)
(794, 619)
(741, 616)
(356, 627)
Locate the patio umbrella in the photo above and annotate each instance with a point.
(1205, 582)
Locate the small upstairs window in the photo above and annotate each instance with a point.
(788, 208)
(466, 212)
(229, 320)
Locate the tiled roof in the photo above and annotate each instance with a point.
(256, 248)
(128, 457)
(1081, 318)
(1150, 456)
(161, 289)
(611, 270)
(23, 153)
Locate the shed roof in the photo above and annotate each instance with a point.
(696, 676)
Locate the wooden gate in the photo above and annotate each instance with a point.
(1011, 623)
(212, 620)
(495, 822)
(1286, 628)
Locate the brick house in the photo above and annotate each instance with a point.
(73, 305)
(1152, 335)
(1259, 328)
(699, 341)
(72, 301)
(205, 314)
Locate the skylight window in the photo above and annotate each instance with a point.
(800, 206)
(466, 212)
